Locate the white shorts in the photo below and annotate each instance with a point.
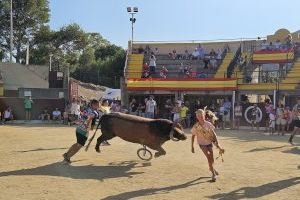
(176, 117)
(272, 124)
(280, 121)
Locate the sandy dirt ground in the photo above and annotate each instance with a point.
(256, 167)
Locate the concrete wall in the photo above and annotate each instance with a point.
(40, 93)
(17, 105)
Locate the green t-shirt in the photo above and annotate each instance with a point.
(28, 103)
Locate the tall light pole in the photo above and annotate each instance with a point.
(11, 32)
(132, 11)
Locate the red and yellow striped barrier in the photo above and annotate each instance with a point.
(276, 56)
(190, 84)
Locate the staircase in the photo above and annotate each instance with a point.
(239, 74)
(222, 71)
(135, 65)
(292, 78)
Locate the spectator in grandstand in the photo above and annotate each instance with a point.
(45, 115)
(152, 64)
(264, 45)
(277, 45)
(289, 41)
(270, 47)
(212, 53)
(187, 71)
(202, 75)
(226, 48)
(8, 114)
(133, 107)
(56, 115)
(206, 62)
(156, 51)
(28, 108)
(213, 62)
(195, 54)
(151, 107)
(174, 54)
(241, 63)
(255, 117)
(219, 55)
(147, 50)
(140, 50)
(163, 72)
(201, 51)
(176, 112)
(280, 118)
(187, 55)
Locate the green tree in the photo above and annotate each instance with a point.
(28, 17)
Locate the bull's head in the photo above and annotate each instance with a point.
(176, 132)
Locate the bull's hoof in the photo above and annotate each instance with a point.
(97, 149)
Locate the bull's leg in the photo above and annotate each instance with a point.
(101, 139)
(160, 152)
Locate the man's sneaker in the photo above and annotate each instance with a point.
(291, 142)
(213, 178)
(66, 159)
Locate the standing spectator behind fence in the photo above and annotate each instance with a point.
(167, 110)
(75, 109)
(183, 115)
(255, 117)
(152, 65)
(238, 115)
(280, 119)
(28, 108)
(151, 108)
(227, 108)
(133, 107)
(176, 112)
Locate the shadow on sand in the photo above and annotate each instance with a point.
(256, 192)
(41, 149)
(59, 169)
(153, 191)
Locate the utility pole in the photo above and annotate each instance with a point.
(11, 32)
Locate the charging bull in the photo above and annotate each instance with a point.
(150, 132)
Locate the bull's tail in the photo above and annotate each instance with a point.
(93, 136)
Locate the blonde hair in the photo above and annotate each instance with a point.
(208, 114)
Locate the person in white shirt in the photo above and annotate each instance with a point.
(8, 115)
(264, 45)
(152, 64)
(195, 54)
(277, 45)
(56, 114)
(156, 51)
(272, 122)
(75, 109)
(150, 108)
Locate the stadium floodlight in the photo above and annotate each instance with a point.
(132, 11)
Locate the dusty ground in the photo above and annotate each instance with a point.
(256, 167)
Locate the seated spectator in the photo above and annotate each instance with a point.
(156, 51)
(219, 54)
(206, 62)
(202, 75)
(264, 45)
(186, 56)
(163, 72)
(7, 116)
(201, 51)
(174, 54)
(277, 45)
(270, 47)
(56, 115)
(213, 63)
(188, 71)
(140, 50)
(212, 53)
(195, 54)
(45, 115)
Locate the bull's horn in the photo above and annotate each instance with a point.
(172, 133)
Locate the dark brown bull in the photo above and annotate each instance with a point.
(150, 132)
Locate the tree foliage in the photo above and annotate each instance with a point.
(89, 56)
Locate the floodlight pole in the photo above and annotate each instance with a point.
(132, 24)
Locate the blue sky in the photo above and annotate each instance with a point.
(178, 19)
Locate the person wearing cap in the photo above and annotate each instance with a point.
(204, 131)
(296, 121)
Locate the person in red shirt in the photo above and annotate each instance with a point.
(163, 72)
